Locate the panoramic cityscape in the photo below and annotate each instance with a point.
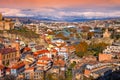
(59, 40)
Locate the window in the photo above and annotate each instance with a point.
(3, 62)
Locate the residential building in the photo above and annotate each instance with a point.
(112, 49)
(9, 56)
(32, 74)
(18, 68)
(41, 53)
(105, 57)
(44, 63)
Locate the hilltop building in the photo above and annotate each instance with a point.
(106, 34)
(5, 24)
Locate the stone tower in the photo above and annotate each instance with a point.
(106, 34)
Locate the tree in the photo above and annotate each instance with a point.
(90, 35)
(97, 47)
(9, 77)
(81, 49)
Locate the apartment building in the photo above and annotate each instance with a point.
(8, 56)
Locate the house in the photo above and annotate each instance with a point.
(89, 58)
(41, 53)
(58, 66)
(105, 57)
(44, 63)
(38, 47)
(112, 49)
(98, 69)
(8, 56)
(29, 60)
(18, 68)
(99, 72)
(32, 74)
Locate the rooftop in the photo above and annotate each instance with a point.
(18, 65)
(44, 58)
(41, 52)
(7, 50)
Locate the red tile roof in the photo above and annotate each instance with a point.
(54, 50)
(30, 68)
(59, 62)
(44, 58)
(18, 65)
(41, 52)
(43, 63)
(27, 49)
(7, 50)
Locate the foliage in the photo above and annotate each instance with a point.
(24, 32)
(90, 35)
(1, 31)
(97, 47)
(69, 74)
(60, 35)
(9, 77)
(81, 49)
(72, 65)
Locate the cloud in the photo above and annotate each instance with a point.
(13, 12)
(60, 13)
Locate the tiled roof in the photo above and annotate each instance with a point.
(59, 62)
(1, 66)
(43, 63)
(27, 49)
(18, 65)
(7, 50)
(44, 58)
(103, 70)
(41, 52)
(39, 47)
(30, 68)
(54, 50)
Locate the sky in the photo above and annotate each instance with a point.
(60, 8)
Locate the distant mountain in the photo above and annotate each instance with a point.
(65, 18)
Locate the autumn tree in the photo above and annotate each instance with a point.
(81, 49)
(97, 47)
(90, 35)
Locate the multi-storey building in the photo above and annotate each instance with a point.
(17, 68)
(44, 63)
(8, 56)
(105, 57)
(112, 49)
(33, 74)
